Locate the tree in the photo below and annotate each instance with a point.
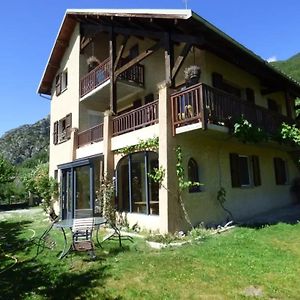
(7, 171)
(38, 183)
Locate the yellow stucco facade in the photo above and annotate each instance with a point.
(209, 148)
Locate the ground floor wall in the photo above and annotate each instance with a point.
(213, 158)
(211, 151)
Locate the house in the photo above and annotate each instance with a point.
(116, 77)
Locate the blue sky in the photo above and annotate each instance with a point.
(28, 29)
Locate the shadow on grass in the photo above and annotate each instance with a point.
(48, 281)
(287, 215)
(10, 236)
(46, 276)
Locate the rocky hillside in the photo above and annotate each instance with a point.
(290, 66)
(27, 142)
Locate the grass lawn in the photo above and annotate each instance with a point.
(221, 267)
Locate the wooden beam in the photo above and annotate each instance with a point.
(90, 29)
(113, 89)
(121, 50)
(180, 59)
(169, 59)
(138, 59)
(85, 42)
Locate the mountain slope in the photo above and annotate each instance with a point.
(290, 66)
(26, 142)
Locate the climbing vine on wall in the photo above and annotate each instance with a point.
(150, 144)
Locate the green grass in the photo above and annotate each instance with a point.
(221, 267)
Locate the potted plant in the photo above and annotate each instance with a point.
(92, 62)
(192, 75)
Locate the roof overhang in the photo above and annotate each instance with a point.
(187, 22)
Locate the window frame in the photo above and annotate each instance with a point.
(194, 176)
(253, 167)
(61, 82)
(62, 129)
(129, 207)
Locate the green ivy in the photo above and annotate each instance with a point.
(150, 144)
(245, 132)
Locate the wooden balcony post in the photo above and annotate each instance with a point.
(113, 85)
(107, 153)
(169, 210)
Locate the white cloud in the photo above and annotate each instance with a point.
(272, 59)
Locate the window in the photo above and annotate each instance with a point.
(245, 170)
(61, 82)
(280, 167)
(219, 83)
(135, 191)
(62, 129)
(193, 175)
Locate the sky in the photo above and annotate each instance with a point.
(270, 28)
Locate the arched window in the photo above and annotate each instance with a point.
(136, 193)
(193, 175)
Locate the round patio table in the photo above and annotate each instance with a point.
(68, 224)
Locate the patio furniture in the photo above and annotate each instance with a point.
(44, 240)
(69, 223)
(97, 222)
(82, 235)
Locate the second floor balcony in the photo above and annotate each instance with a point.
(205, 105)
(101, 74)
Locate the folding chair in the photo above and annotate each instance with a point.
(82, 235)
(45, 241)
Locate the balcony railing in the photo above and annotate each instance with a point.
(101, 73)
(136, 119)
(134, 74)
(202, 103)
(94, 78)
(90, 136)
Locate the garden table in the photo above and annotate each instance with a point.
(68, 224)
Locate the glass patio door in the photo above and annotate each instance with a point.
(83, 178)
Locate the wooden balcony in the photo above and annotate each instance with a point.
(90, 136)
(138, 118)
(102, 73)
(205, 104)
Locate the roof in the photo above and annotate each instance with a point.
(191, 22)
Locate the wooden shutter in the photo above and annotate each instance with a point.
(256, 170)
(217, 80)
(58, 84)
(55, 133)
(68, 125)
(234, 168)
(250, 95)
